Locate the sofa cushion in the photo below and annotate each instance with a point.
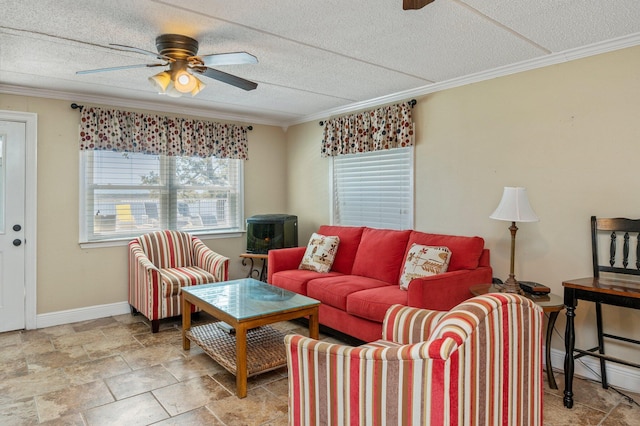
(381, 254)
(296, 279)
(173, 279)
(465, 251)
(349, 241)
(372, 304)
(320, 253)
(423, 261)
(333, 291)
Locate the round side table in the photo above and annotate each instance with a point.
(550, 303)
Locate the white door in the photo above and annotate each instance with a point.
(12, 222)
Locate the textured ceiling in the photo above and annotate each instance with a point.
(315, 57)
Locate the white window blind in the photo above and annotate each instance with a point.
(128, 194)
(374, 189)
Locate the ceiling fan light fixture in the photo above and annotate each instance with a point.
(161, 81)
(199, 86)
(172, 91)
(183, 81)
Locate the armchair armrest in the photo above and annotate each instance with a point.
(210, 261)
(444, 291)
(283, 260)
(144, 282)
(337, 384)
(406, 325)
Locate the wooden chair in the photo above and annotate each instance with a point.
(617, 263)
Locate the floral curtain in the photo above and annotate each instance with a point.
(383, 128)
(123, 131)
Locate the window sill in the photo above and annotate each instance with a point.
(120, 242)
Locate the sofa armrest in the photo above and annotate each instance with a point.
(337, 384)
(406, 325)
(144, 282)
(210, 261)
(444, 291)
(284, 260)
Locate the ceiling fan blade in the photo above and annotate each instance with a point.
(144, 52)
(415, 4)
(123, 67)
(227, 78)
(232, 58)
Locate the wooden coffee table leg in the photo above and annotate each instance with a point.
(241, 362)
(186, 323)
(314, 327)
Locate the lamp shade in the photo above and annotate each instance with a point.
(161, 81)
(514, 206)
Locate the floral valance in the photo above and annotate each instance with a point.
(124, 131)
(383, 128)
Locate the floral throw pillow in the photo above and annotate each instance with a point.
(423, 261)
(320, 253)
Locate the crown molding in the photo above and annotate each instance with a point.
(527, 65)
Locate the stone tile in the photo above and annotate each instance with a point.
(189, 395)
(259, 407)
(138, 410)
(140, 381)
(110, 347)
(193, 366)
(74, 399)
(624, 413)
(47, 333)
(10, 339)
(74, 419)
(77, 339)
(19, 412)
(38, 346)
(32, 384)
(90, 371)
(199, 416)
(228, 380)
(555, 414)
(147, 357)
(171, 336)
(93, 324)
(124, 329)
(279, 388)
(13, 363)
(56, 359)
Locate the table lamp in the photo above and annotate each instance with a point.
(514, 207)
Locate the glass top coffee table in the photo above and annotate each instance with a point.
(247, 346)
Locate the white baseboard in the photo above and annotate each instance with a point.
(81, 314)
(619, 376)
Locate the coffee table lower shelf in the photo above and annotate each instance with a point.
(265, 347)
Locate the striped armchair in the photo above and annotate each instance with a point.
(161, 263)
(478, 364)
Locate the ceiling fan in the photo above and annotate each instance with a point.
(179, 53)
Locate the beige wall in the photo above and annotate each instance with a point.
(569, 133)
(70, 277)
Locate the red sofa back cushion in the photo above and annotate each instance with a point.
(465, 251)
(349, 241)
(381, 254)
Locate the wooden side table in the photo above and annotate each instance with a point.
(261, 273)
(549, 303)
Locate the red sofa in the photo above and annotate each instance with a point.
(363, 282)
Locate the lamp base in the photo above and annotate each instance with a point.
(512, 286)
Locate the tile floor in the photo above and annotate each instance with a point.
(113, 371)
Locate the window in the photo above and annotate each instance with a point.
(374, 189)
(126, 194)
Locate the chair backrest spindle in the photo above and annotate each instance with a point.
(613, 226)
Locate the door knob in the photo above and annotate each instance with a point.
(17, 228)
(17, 242)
